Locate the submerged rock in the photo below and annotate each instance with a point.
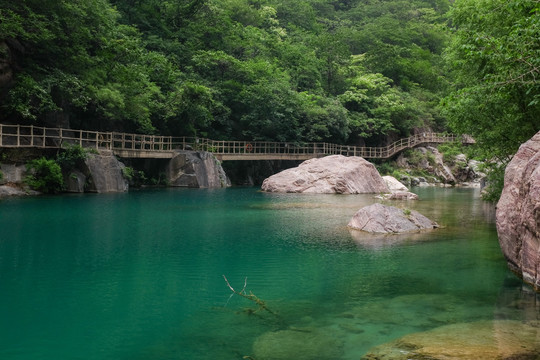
(299, 344)
(196, 169)
(382, 219)
(334, 174)
(482, 340)
(518, 213)
(399, 195)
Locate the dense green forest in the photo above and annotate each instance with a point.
(312, 70)
(346, 71)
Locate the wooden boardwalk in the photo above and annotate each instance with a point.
(153, 146)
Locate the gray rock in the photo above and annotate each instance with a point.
(75, 182)
(105, 173)
(382, 219)
(196, 169)
(518, 213)
(13, 173)
(394, 184)
(401, 195)
(6, 190)
(334, 174)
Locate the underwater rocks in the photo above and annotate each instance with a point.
(518, 213)
(482, 340)
(382, 219)
(298, 344)
(334, 174)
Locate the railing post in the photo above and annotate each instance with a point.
(18, 135)
(1, 134)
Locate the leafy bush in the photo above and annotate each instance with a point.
(1, 176)
(71, 156)
(495, 182)
(385, 168)
(134, 177)
(45, 176)
(450, 151)
(414, 157)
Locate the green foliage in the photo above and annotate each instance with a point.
(414, 157)
(71, 156)
(236, 69)
(45, 176)
(494, 56)
(450, 150)
(136, 178)
(495, 182)
(385, 168)
(1, 176)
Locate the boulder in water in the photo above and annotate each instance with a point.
(196, 169)
(106, 173)
(334, 174)
(382, 219)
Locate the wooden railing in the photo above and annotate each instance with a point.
(254, 148)
(137, 145)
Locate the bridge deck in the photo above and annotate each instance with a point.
(152, 146)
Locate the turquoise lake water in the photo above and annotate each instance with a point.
(140, 275)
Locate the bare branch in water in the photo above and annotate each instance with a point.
(250, 296)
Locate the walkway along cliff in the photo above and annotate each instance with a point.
(189, 162)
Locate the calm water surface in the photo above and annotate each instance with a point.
(139, 275)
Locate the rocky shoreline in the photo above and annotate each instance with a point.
(104, 173)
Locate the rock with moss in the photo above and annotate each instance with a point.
(383, 219)
(482, 340)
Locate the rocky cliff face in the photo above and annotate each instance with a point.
(196, 169)
(334, 174)
(518, 213)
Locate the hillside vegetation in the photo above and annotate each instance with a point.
(344, 71)
(341, 71)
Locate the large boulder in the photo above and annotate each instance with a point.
(483, 340)
(105, 173)
(334, 174)
(196, 169)
(382, 219)
(518, 213)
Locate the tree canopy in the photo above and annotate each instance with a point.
(310, 70)
(347, 71)
(495, 59)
